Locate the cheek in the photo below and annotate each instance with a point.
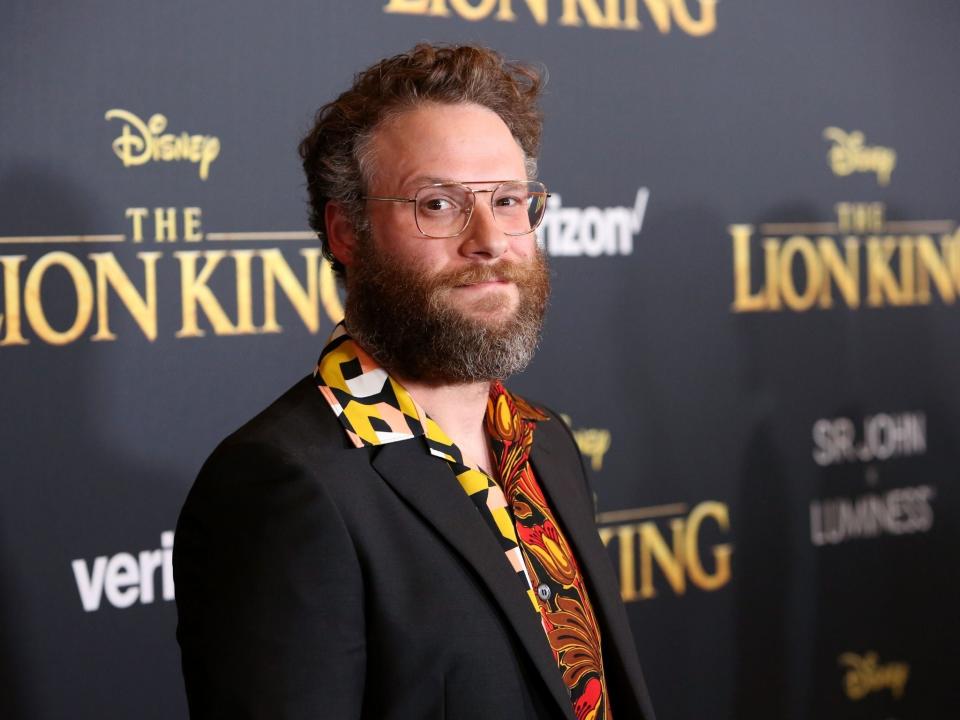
(424, 256)
(398, 242)
(393, 223)
(524, 246)
(436, 256)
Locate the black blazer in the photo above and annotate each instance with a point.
(318, 580)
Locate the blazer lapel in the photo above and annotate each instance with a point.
(428, 485)
(568, 499)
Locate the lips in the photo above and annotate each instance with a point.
(501, 273)
(482, 283)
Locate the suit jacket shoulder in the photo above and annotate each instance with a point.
(313, 576)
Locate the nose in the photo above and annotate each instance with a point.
(482, 239)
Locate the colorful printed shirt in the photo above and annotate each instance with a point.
(375, 409)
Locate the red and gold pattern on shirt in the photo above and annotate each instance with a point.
(565, 610)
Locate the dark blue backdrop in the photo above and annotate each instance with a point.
(772, 420)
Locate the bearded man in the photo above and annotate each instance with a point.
(399, 536)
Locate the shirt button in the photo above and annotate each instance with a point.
(543, 591)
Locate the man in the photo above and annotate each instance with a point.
(398, 536)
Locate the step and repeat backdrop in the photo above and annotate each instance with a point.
(753, 333)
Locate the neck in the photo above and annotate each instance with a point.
(460, 410)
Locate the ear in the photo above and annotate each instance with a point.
(340, 233)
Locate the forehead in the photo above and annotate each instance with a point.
(445, 142)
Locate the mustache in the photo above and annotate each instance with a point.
(505, 270)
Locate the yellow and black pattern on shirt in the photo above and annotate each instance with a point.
(373, 408)
(489, 500)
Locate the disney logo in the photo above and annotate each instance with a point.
(865, 675)
(850, 154)
(142, 142)
(592, 442)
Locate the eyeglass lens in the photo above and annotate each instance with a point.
(444, 210)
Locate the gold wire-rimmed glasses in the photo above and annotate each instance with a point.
(443, 210)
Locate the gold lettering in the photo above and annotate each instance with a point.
(604, 14)
(813, 272)
(244, 264)
(744, 300)
(137, 215)
(612, 11)
(628, 562)
(191, 224)
(800, 272)
(678, 561)
(652, 545)
(592, 13)
(473, 12)
(850, 153)
(951, 250)
(411, 7)
(143, 308)
(34, 300)
(304, 300)
(933, 265)
(417, 7)
(907, 273)
(329, 296)
(860, 218)
(165, 224)
(626, 539)
(946, 249)
(151, 144)
(844, 213)
(771, 255)
(11, 300)
(845, 273)
(881, 283)
(537, 8)
(721, 553)
(865, 674)
(209, 151)
(662, 10)
(594, 443)
(951, 246)
(194, 292)
(134, 149)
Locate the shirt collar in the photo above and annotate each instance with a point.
(374, 409)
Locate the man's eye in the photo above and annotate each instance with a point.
(510, 201)
(438, 204)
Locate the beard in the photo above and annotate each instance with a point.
(405, 319)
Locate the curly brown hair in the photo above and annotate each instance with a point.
(337, 152)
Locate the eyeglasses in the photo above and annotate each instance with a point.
(443, 210)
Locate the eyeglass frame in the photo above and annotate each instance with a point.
(466, 185)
